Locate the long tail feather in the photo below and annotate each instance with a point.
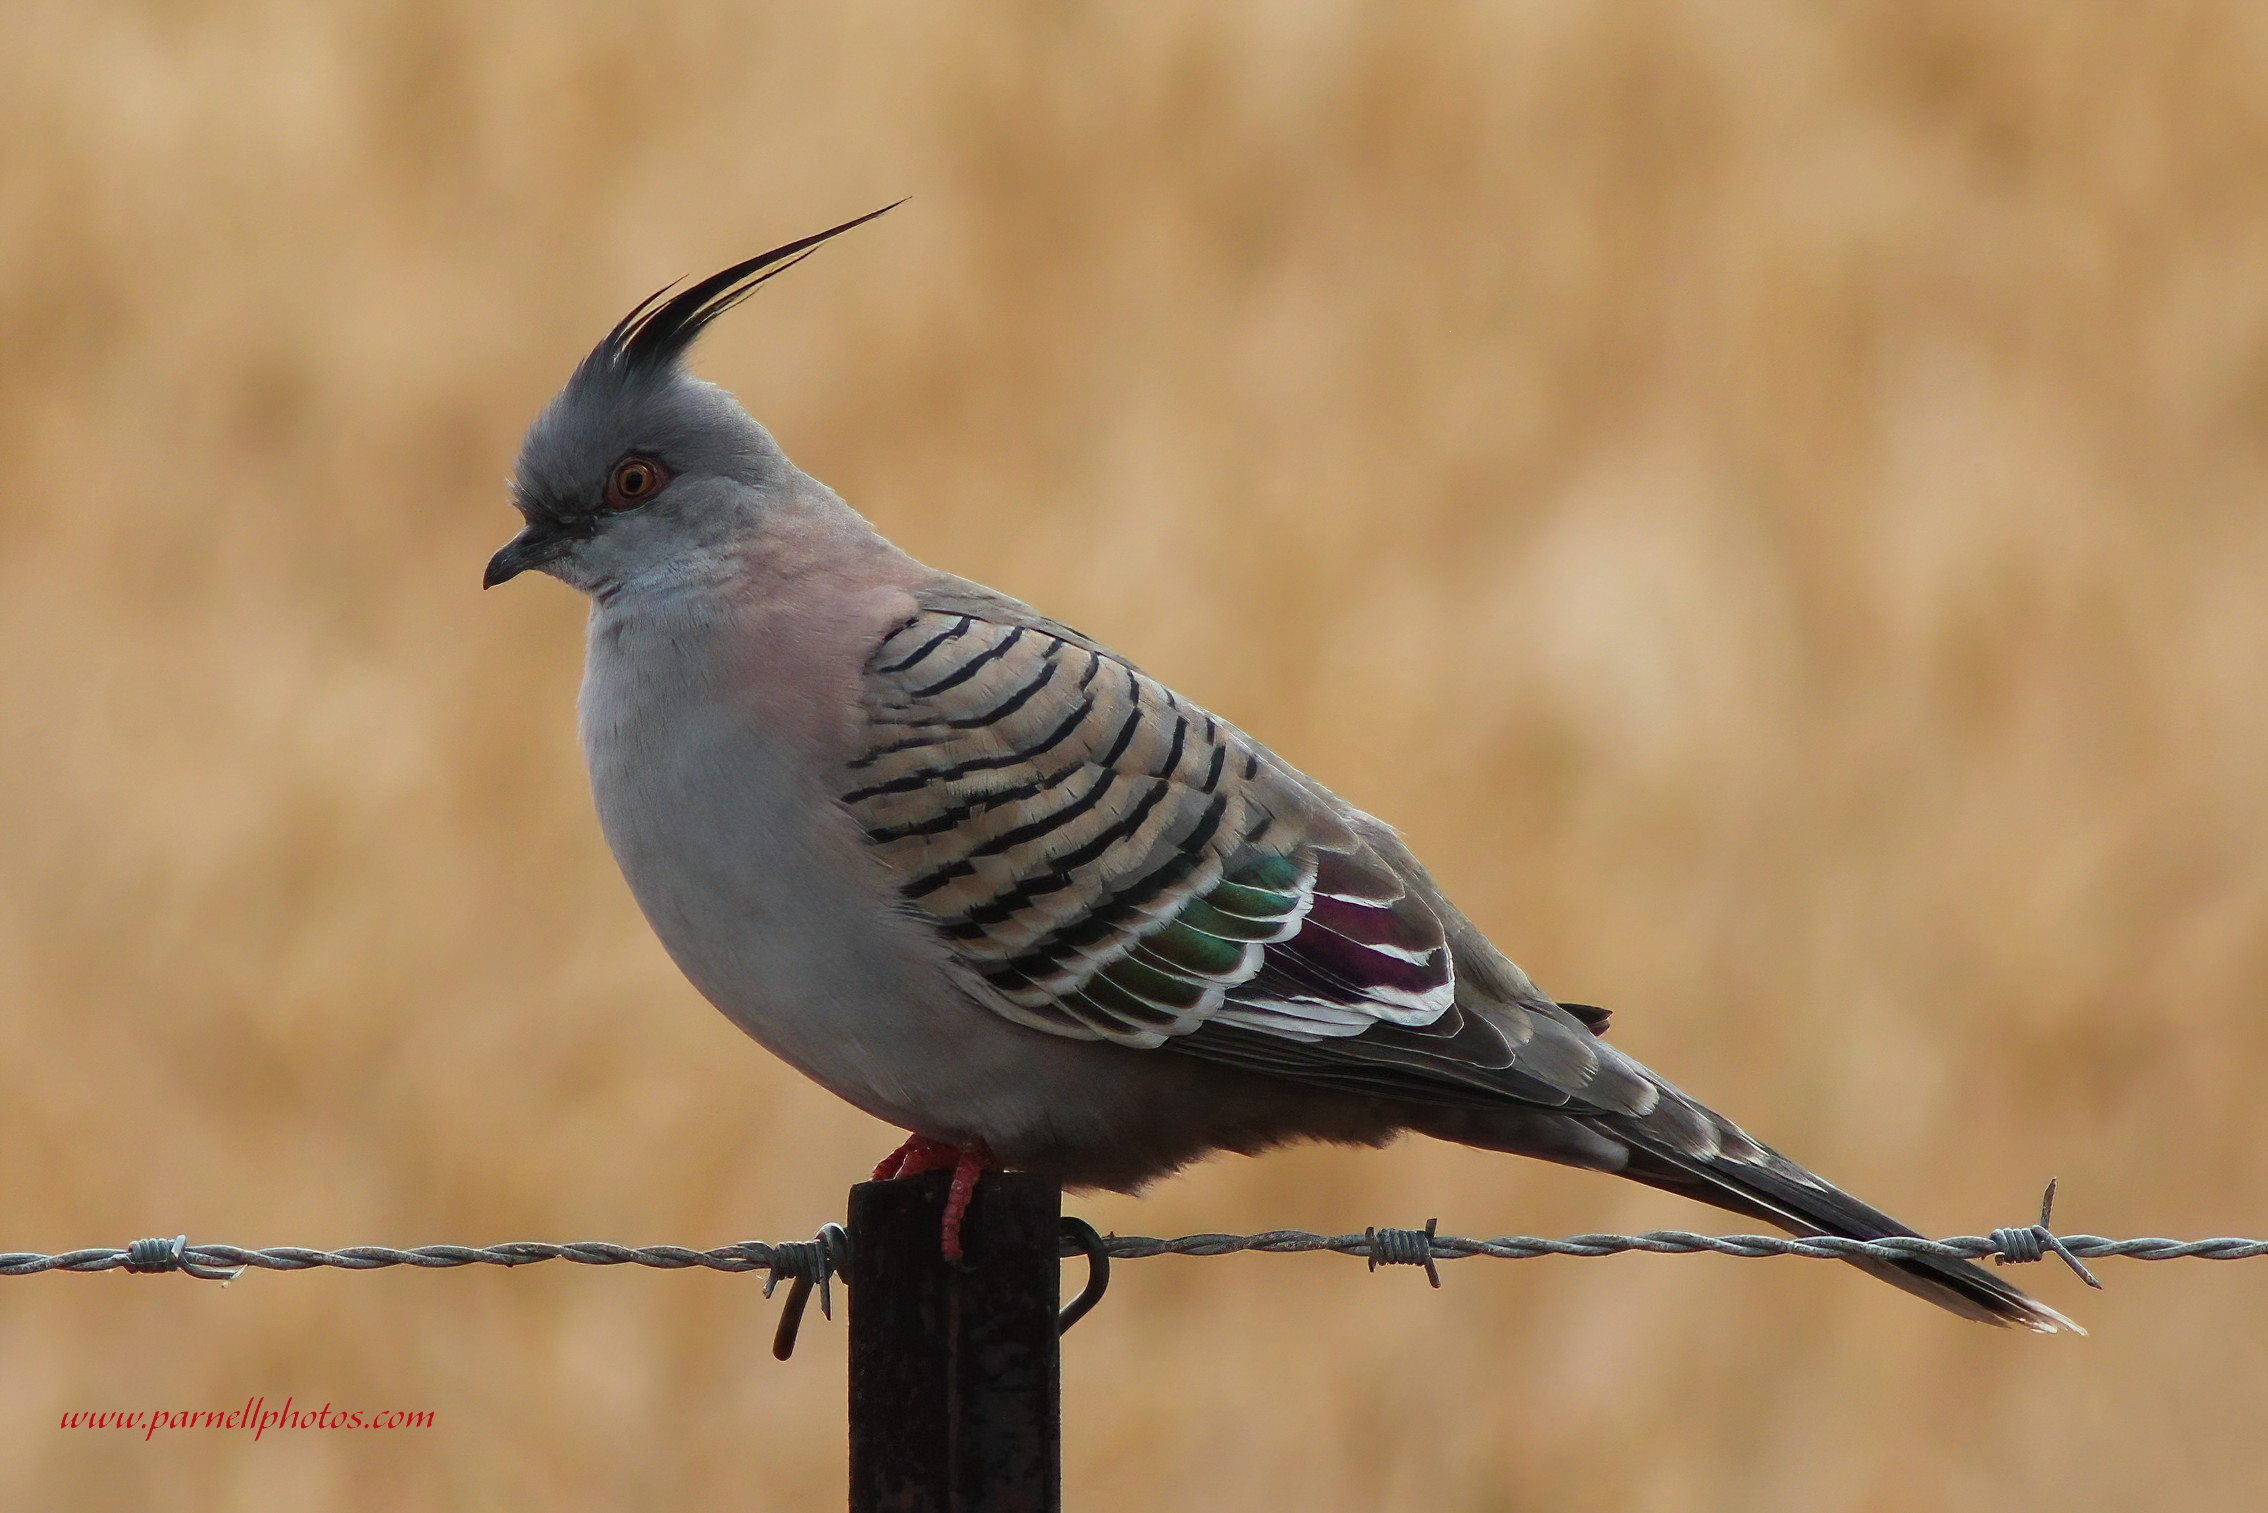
(1781, 1193)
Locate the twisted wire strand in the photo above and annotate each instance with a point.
(1678, 1242)
(1382, 1246)
(790, 1258)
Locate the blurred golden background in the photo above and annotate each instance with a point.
(1769, 498)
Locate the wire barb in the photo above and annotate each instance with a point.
(161, 1254)
(2018, 1247)
(807, 1263)
(1404, 1247)
(156, 1255)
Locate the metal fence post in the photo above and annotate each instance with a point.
(955, 1386)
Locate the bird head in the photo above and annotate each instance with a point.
(636, 469)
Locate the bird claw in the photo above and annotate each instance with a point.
(921, 1155)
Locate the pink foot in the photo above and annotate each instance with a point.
(966, 1162)
(918, 1148)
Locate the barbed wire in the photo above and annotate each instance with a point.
(1678, 1242)
(826, 1256)
(225, 1262)
(814, 1264)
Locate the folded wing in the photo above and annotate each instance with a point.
(1107, 861)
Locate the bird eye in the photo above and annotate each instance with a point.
(635, 480)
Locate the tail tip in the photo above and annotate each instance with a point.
(2041, 1319)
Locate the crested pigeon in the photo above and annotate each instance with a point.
(995, 885)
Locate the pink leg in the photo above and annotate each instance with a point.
(966, 1162)
(974, 1159)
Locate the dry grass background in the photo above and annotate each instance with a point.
(1769, 498)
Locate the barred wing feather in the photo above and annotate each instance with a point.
(1107, 861)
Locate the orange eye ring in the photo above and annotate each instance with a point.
(635, 480)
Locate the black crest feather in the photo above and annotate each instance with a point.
(659, 330)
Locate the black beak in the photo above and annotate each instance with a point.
(541, 542)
